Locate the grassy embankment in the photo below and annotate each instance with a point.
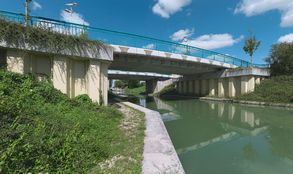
(278, 89)
(42, 130)
(134, 92)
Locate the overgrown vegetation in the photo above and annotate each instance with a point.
(131, 84)
(42, 37)
(42, 130)
(276, 89)
(130, 148)
(136, 91)
(281, 59)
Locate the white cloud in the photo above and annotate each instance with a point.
(181, 34)
(73, 18)
(256, 7)
(36, 5)
(213, 41)
(150, 46)
(286, 39)
(165, 8)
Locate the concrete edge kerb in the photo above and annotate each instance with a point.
(159, 155)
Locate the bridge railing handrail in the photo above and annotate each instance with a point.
(138, 40)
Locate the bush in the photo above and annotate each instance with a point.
(42, 130)
(281, 59)
(133, 84)
(275, 89)
(120, 84)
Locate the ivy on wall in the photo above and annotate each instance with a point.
(43, 39)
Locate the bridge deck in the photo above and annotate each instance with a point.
(121, 38)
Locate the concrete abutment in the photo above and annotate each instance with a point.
(71, 75)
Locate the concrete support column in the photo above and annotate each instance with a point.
(231, 87)
(247, 84)
(104, 83)
(204, 87)
(221, 90)
(185, 87)
(180, 87)
(251, 83)
(257, 80)
(212, 87)
(197, 87)
(244, 85)
(15, 61)
(60, 74)
(94, 80)
(190, 87)
(151, 86)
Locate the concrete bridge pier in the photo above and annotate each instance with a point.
(70, 74)
(229, 83)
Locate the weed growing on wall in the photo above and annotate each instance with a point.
(44, 39)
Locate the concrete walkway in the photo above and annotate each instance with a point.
(159, 154)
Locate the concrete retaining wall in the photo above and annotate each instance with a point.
(155, 86)
(159, 155)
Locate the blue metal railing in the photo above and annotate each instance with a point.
(121, 38)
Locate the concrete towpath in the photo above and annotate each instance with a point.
(159, 155)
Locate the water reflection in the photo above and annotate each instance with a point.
(229, 137)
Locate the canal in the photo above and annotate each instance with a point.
(224, 138)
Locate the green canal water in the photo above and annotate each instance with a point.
(225, 138)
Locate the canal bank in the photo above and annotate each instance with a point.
(230, 137)
(159, 155)
(286, 105)
(230, 100)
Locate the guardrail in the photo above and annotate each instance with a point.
(121, 38)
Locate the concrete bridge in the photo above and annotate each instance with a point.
(84, 70)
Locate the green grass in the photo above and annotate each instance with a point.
(130, 147)
(42, 130)
(136, 91)
(276, 89)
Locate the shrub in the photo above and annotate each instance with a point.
(42, 130)
(281, 59)
(275, 89)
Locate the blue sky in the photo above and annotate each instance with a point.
(219, 25)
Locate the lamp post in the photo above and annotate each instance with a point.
(27, 11)
(185, 41)
(70, 7)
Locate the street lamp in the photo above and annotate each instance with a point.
(27, 11)
(70, 7)
(185, 41)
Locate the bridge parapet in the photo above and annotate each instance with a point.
(121, 38)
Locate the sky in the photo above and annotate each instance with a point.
(218, 25)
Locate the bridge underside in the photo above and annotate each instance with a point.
(132, 77)
(144, 76)
(143, 63)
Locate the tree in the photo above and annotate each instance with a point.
(133, 84)
(281, 59)
(251, 45)
(120, 84)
